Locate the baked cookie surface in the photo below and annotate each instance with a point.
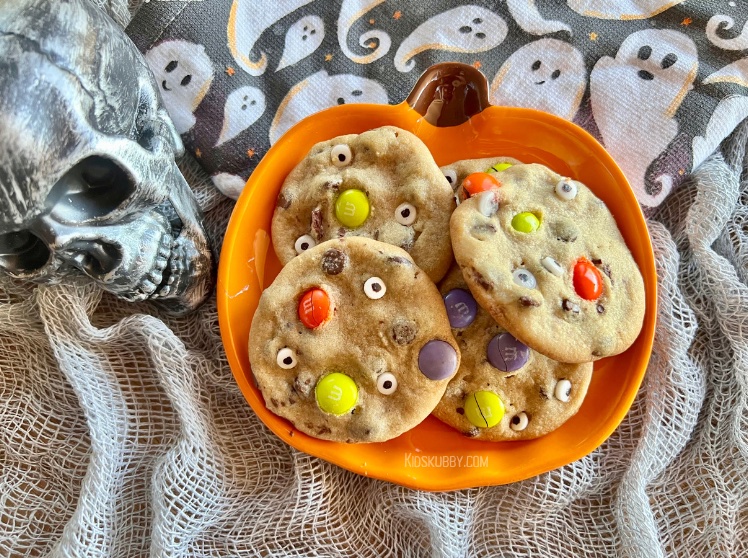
(352, 343)
(382, 184)
(503, 390)
(544, 256)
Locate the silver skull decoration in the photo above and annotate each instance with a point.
(88, 182)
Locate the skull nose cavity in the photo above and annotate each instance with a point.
(94, 257)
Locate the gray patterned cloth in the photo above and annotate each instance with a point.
(124, 434)
(659, 83)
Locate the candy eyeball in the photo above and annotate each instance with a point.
(387, 384)
(405, 214)
(562, 391)
(374, 288)
(451, 176)
(519, 422)
(286, 358)
(524, 278)
(304, 243)
(341, 155)
(566, 190)
(552, 266)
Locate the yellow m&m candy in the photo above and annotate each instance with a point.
(336, 393)
(352, 208)
(484, 409)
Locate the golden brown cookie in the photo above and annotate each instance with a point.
(545, 257)
(382, 184)
(352, 343)
(503, 390)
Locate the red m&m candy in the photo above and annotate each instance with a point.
(588, 283)
(479, 182)
(314, 308)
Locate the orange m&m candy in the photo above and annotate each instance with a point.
(314, 308)
(479, 182)
(588, 283)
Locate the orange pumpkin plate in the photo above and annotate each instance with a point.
(449, 111)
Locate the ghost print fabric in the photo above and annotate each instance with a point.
(660, 83)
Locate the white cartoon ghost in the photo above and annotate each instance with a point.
(184, 74)
(320, 91)
(634, 98)
(730, 112)
(350, 12)
(621, 9)
(463, 29)
(248, 20)
(242, 109)
(725, 22)
(547, 75)
(737, 72)
(230, 185)
(526, 14)
(302, 39)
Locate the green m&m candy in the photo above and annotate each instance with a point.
(525, 222)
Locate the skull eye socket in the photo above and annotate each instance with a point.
(22, 252)
(92, 189)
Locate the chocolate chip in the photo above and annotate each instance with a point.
(407, 245)
(569, 306)
(483, 228)
(341, 232)
(472, 433)
(478, 278)
(404, 332)
(376, 234)
(324, 430)
(273, 402)
(317, 223)
(283, 201)
(460, 411)
(527, 301)
(333, 261)
(543, 393)
(600, 309)
(399, 260)
(335, 186)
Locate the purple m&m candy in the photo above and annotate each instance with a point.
(461, 307)
(507, 353)
(437, 360)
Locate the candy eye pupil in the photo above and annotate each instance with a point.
(287, 360)
(387, 385)
(405, 212)
(449, 179)
(376, 287)
(566, 187)
(341, 158)
(515, 420)
(304, 245)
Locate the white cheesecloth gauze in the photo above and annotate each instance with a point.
(125, 435)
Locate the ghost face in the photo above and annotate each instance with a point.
(462, 29)
(184, 73)
(88, 183)
(659, 65)
(547, 75)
